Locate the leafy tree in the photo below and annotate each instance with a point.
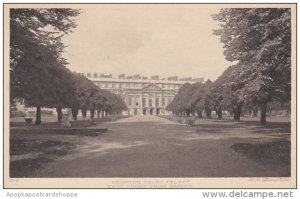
(35, 55)
(228, 91)
(217, 102)
(98, 103)
(206, 100)
(84, 92)
(64, 96)
(196, 98)
(191, 99)
(114, 104)
(88, 96)
(259, 40)
(179, 104)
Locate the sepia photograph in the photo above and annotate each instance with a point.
(149, 95)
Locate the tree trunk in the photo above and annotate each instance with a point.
(230, 113)
(83, 111)
(38, 117)
(208, 113)
(263, 113)
(102, 113)
(92, 113)
(188, 113)
(59, 114)
(237, 113)
(74, 113)
(255, 111)
(219, 113)
(199, 113)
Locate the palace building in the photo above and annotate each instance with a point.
(142, 95)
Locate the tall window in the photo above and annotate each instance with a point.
(157, 102)
(144, 102)
(163, 101)
(150, 102)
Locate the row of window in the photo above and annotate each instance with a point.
(134, 85)
(135, 101)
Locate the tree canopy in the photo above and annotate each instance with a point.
(192, 98)
(38, 72)
(259, 40)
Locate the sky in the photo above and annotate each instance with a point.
(165, 40)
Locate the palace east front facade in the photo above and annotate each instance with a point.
(142, 96)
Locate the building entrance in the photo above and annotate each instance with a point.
(151, 111)
(144, 111)
(157, 111)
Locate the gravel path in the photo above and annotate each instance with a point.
(150, 146)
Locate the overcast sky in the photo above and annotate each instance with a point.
(146, 39)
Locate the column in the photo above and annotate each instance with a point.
(147, 101)
(154, 101)
(162, 106)
(140, 104)
(160, 101)
(147, 104)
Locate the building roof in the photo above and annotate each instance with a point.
(118, 80)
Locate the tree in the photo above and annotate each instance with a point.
(88, 96)
(64, 94)
(206, 100)
(84, 92)
(228, 91)
(36, 55)
(191, 99)
(217, 100)
(179, 104)
(196, 98)
(259, 40)
(113, 104)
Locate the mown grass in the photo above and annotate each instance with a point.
(40, 152)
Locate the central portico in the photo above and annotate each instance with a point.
(150, 100)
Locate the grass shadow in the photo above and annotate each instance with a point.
(276, 154)
(46, 152)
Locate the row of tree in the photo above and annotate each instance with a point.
(38, 73)
(258, 41)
